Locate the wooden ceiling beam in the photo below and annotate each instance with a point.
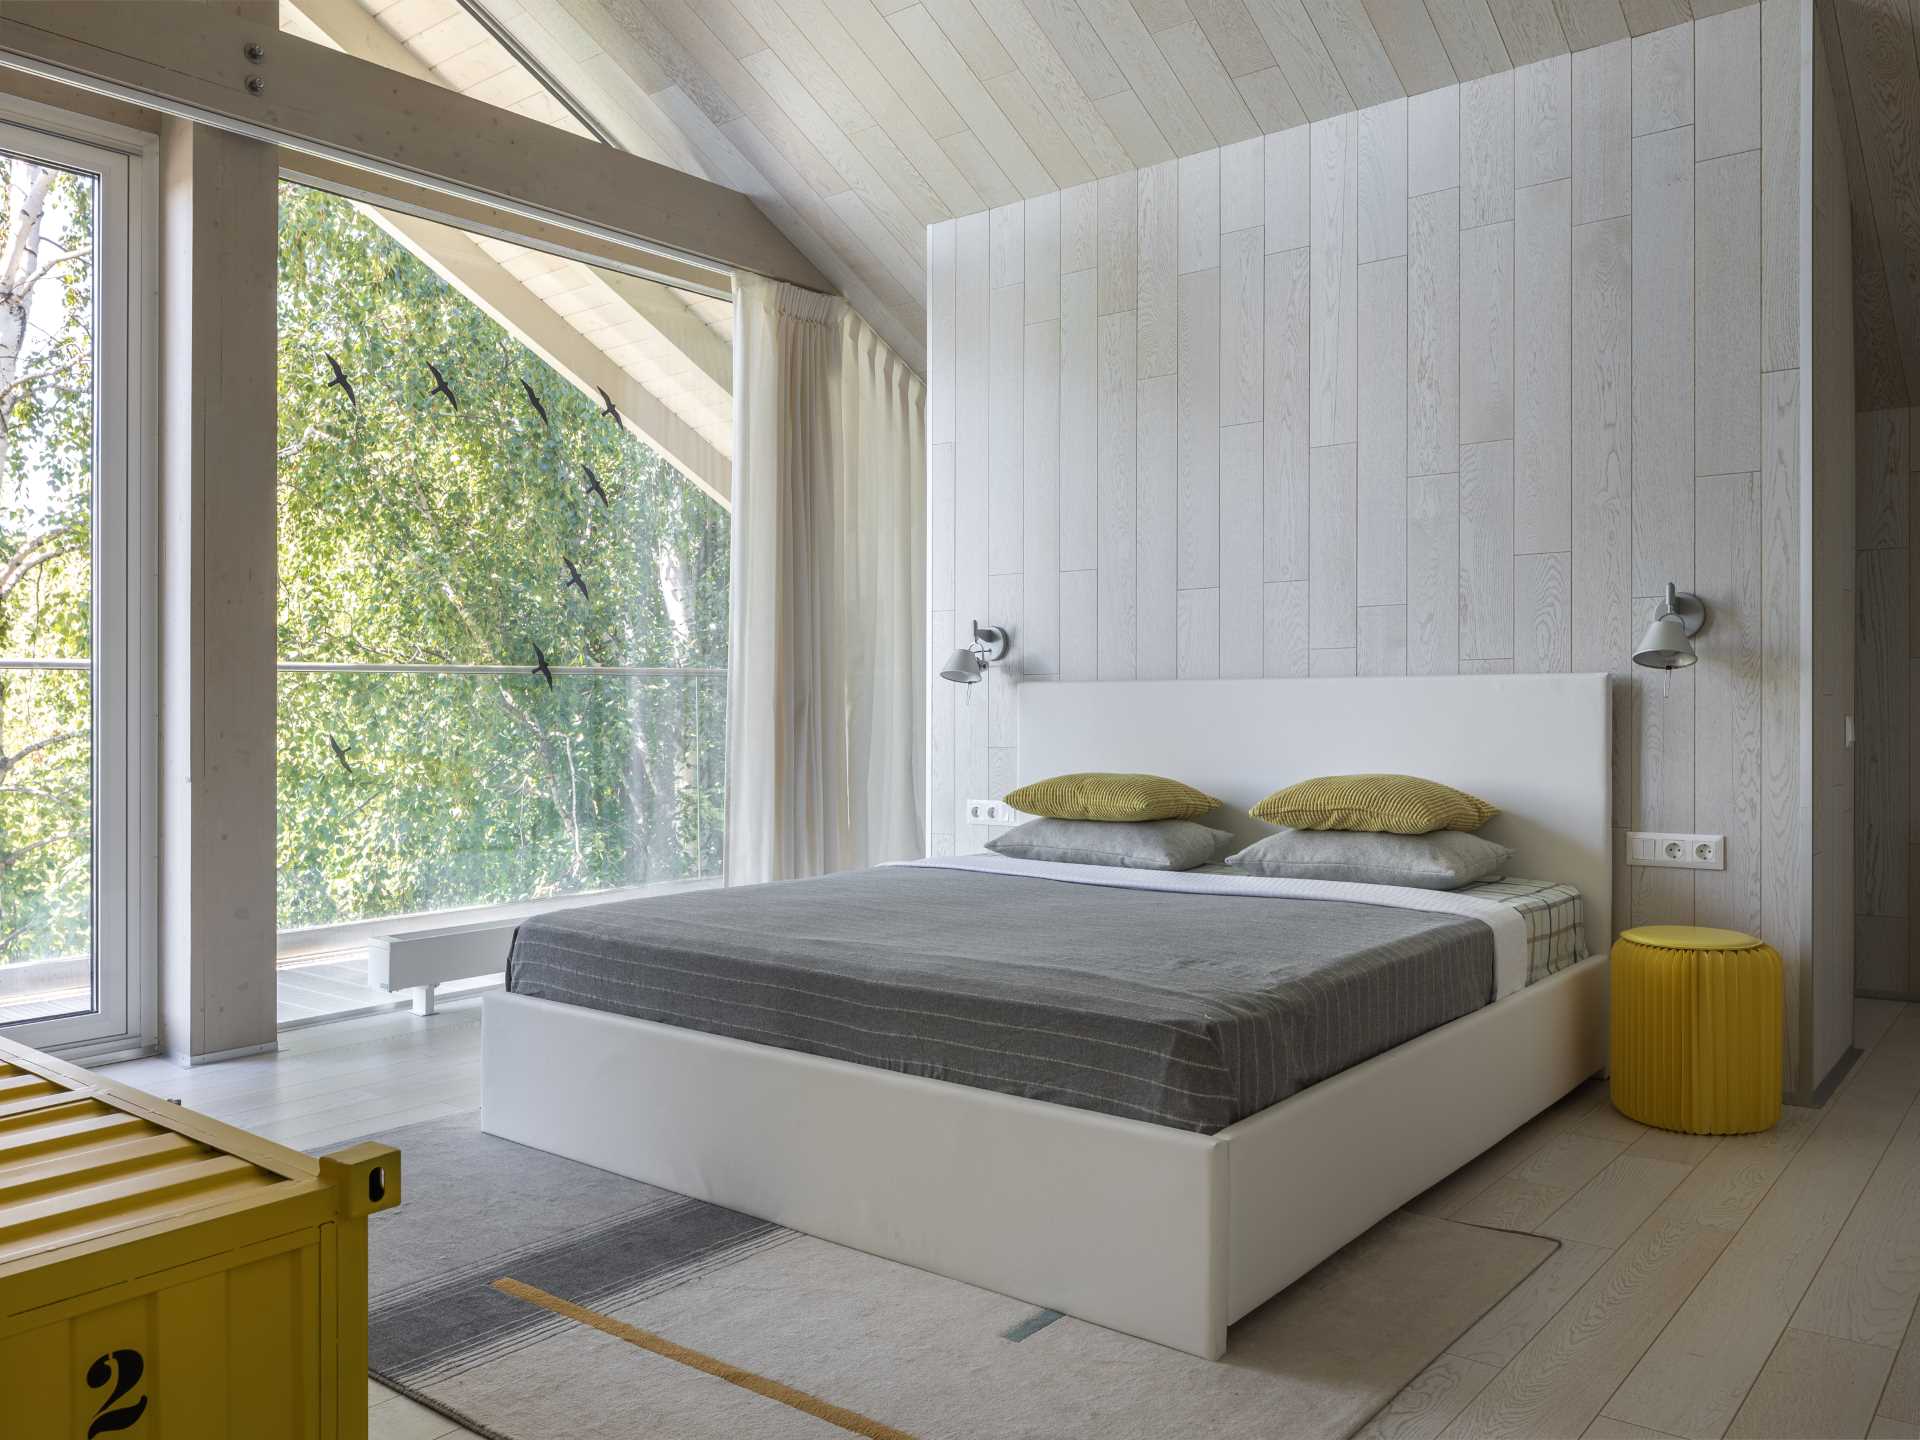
(193, 60)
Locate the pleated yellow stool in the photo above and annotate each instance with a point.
(1696, 1029)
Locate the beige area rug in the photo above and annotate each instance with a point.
(536, 1299)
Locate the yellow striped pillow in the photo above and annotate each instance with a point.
(1390, 804)
(1102, 795)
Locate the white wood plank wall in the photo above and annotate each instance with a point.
(1453, 384)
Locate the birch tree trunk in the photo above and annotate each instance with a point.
(27, 187)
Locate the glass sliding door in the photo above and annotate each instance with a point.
(72, 961)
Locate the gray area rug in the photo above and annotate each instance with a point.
(534, 1298)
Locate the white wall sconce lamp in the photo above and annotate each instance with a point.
(969, 663)
(1668, 643)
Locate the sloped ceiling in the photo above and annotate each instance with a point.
(856, 123)
(675, 345)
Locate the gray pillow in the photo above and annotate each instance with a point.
(1441, 860)
(1136, 844)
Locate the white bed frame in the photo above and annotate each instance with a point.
(1157, 1232)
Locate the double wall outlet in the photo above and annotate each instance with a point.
(1676, 851)
(992, 812)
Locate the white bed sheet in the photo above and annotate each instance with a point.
(1509, 926)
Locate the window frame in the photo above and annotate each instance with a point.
(124, 646)
(295, 943)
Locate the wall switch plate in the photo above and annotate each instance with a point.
(1676, 851)
(992, 812)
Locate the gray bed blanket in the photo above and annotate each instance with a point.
(1186, 1010)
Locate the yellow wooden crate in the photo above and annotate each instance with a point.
(167, 1277)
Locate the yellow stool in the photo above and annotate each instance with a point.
(1696, 1029)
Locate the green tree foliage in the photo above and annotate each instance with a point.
(46, 541)
(414, 533)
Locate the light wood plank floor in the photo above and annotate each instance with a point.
(1752, 1286)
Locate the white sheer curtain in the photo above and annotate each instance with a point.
(826, 723)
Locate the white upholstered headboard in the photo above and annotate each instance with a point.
(1535, 745)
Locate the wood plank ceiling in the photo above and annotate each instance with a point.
(856, 123)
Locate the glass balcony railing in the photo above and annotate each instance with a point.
(409, 789)
(46, 838)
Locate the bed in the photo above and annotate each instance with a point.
(1107, 1093)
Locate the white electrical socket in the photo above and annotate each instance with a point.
(1676, 851)
(991, 812)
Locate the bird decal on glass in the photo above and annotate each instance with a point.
(573, 577)
(607, 407)
(340, 754)
(440, 386)
(538, 408)
(340, 379)
(594, 486)
(542, 667)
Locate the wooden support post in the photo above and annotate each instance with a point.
(192, 59)
(219, 221)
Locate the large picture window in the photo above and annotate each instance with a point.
(502, 615)
(74, 876)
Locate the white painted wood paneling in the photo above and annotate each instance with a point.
(1243, 185)
(1156, 528)
(1603, 468)
(1486, 551)
(1079, 624)
(1200, 212)
(1433, 141)
(1286, 438)
(1079, 421)
(1663, 80)
(1007, 410)
(1543, 353)
(1780, 199)
(1663, 361)
(1382, 578)
(1486, 332)
(1726, 389)
(1603, 132)
(1542, 605)
(1242, 323)
(1433, 574)
(1333, 524)
(1242, 551)
(1285, 640)
(1157, 288)
(1727, 770)
(1382, 195)
(1486, 151)
(1287, 193)
(1334, 193)
(1118, 410)
(1199, 430)
(1438, 388)
(1542, 121)
(1433, 334)
(1198, 628)
(1040, 646)
(1727, 83)
(940, 381)
(1119, 240)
